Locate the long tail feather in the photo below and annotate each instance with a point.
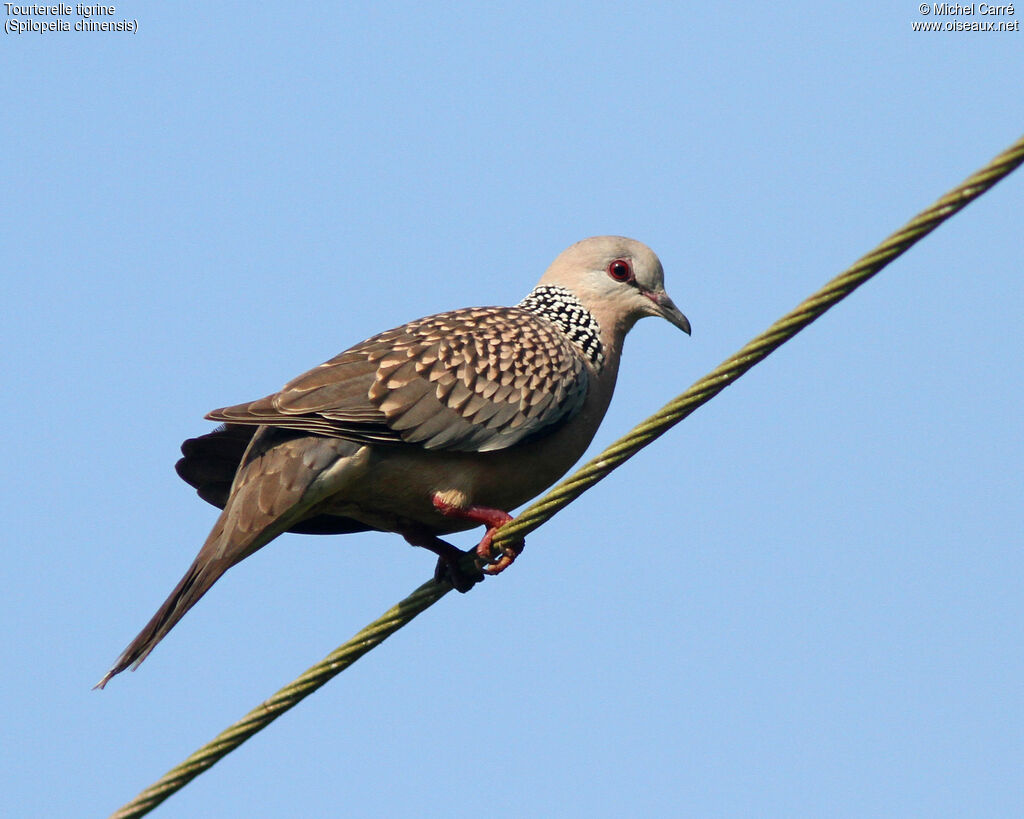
(201, 575)
(268, 496)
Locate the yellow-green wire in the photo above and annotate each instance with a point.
(564, 493)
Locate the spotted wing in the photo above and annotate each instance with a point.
(471, 380)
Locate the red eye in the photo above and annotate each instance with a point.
(621, 270)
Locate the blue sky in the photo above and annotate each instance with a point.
(805, 600)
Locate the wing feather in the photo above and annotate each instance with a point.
(478, 379)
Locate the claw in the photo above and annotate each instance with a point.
(451, 571)
(493, 519)
(449, 560)
(509, 553)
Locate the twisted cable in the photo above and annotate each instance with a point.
(572, 487)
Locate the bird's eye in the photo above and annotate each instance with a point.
(621, 270)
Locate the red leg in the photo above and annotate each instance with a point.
(493, 519)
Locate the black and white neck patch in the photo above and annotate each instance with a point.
(565, 311)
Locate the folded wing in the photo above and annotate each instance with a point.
(471, 380)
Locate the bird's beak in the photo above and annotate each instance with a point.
(666, 308)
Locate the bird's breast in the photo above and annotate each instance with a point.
(396, 485)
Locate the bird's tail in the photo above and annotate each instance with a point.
(270, 494)
(202, 574)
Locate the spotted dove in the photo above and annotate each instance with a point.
(433, 427)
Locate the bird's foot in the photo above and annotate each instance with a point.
(451, 570)
(508, 553)
(493, 519)
(449, 561)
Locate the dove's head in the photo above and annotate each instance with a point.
(618, 280)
